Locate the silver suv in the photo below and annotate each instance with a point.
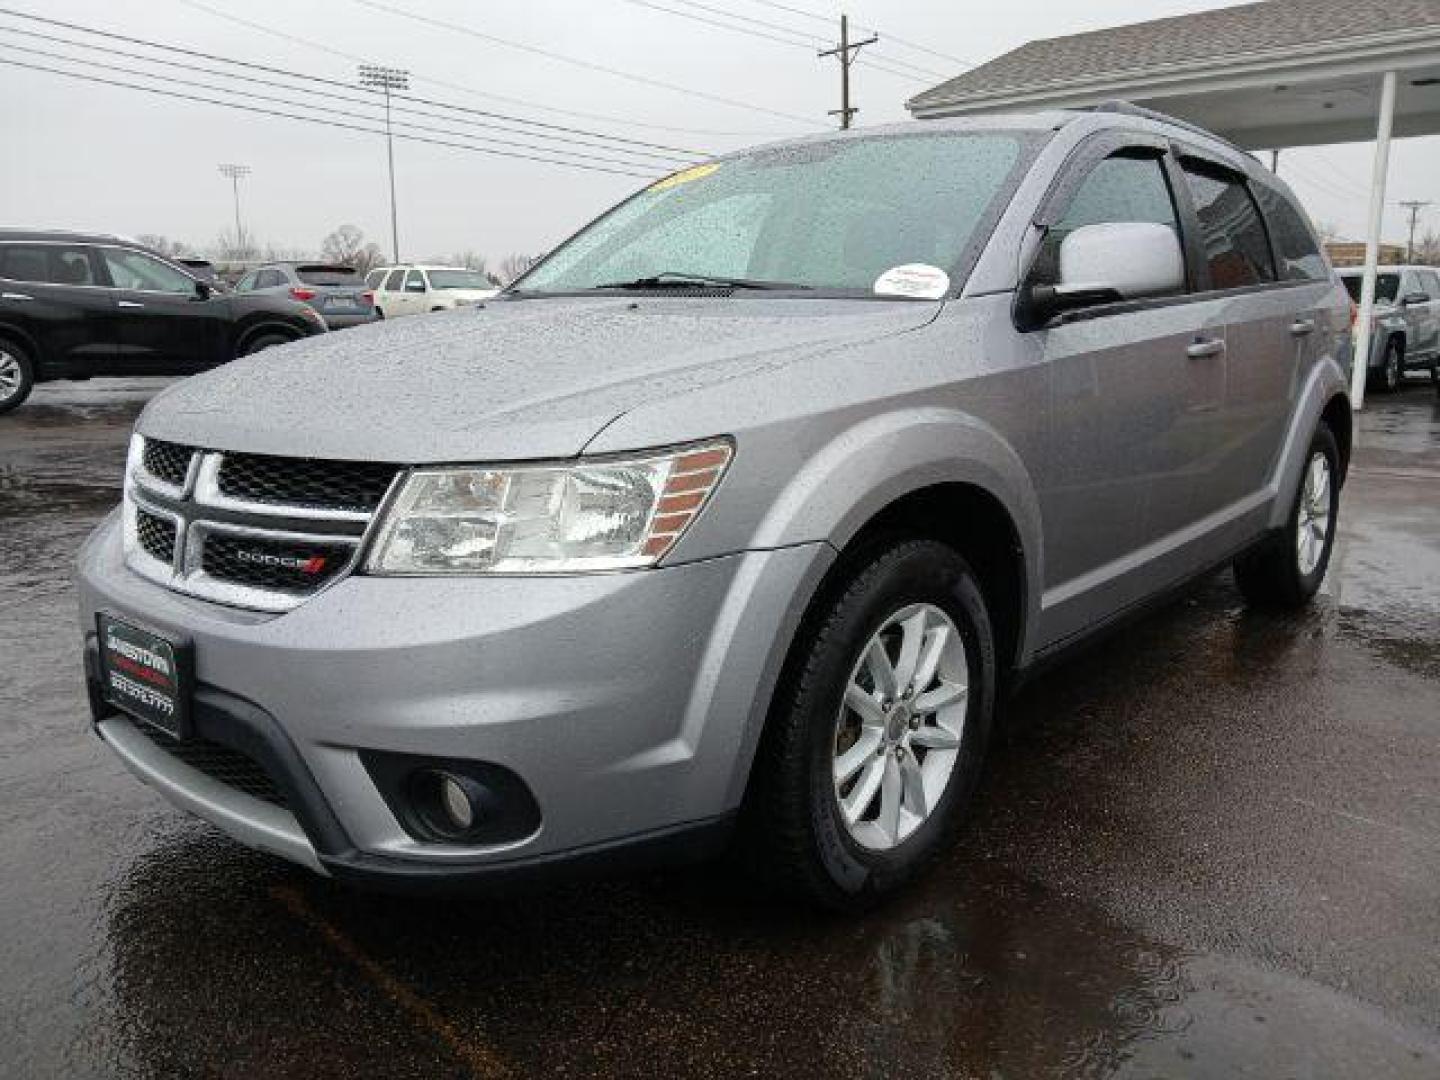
(1405, 333)
(734, 518)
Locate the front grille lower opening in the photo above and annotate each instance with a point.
(230, 767)
(156, 536)
(309, 483)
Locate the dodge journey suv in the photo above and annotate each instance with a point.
(733, 519)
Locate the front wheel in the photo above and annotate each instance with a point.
(264, 341)
(1390, 371)
(1286, 571)
(876, 738)
(17, 376)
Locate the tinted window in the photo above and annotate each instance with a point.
(247, 282)
(1119, 189)
(327, 275)
(392, 284)
(1236, 245)
(270, 279)
(1300, 258)
(459, 279)
(138, 271)
(47, 264)
(1387, 286)
(374, 278)
(1429, 284)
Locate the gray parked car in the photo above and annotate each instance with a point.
(338, 293)
(1405, 333)
(740, 511)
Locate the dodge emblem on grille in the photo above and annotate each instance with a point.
(312, 564)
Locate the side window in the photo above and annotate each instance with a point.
(1120, 189)
(374, 278)
(269, 279)
(392, 283)
(47, 264)
(1236, 245)
(1430, 284)
(246, 283)
(415, 282)
(138, 271)
(1300, 258)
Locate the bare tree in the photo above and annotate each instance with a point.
(233, 252)
(1427, 250)
(163, 244)
(347, 246)
(512, 266)
(1329, 232)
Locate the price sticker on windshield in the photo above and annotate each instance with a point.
(919, 280)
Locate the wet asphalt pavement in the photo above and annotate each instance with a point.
(1208, 847)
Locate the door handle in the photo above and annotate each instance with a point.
(1301, 327)
(15, 296)
(129, 304)
(1201, 349)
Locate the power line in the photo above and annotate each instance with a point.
(195, 84)
(321, 80)
(810, 41)
(575, 61)
(524, 103)
(473, 148)
(889, 37)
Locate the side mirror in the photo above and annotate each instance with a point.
(203, 291)
(1114, 261)
(1415, 298)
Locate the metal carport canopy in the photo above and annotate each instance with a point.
(1268, 75)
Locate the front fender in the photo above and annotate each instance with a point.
(880, 460)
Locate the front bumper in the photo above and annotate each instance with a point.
(629, 704)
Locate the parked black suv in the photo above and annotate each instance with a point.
(75, 305)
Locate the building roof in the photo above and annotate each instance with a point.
(1184, 41)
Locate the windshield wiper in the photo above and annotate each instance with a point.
(679, 279)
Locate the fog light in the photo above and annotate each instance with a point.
(455, 801)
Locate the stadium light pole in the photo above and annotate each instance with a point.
(236, 173)
(387, 80)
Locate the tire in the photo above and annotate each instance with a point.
(379, 314)
(17, 375)
(1284, 572)
(795, 829)
(265, 341)
(1391, 372)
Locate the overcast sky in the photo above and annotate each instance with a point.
(80, 155)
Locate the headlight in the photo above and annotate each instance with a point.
(606, 514)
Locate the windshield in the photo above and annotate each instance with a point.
(459, 279)
(831, 215)
(1387, 287)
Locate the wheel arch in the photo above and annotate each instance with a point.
(249, 333)
(20, 338)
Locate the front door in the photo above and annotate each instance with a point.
(167, 325)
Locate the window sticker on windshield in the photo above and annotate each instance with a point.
(684, 176)
(920, 280)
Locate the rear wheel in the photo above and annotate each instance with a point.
(264, 341)
(1286, 571)
(876, 739)
(17, 376)
(1388, 377)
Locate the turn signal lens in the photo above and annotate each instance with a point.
(302, 294)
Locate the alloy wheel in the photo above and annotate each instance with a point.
(898, 733)
(1313, 527)
(11, 375)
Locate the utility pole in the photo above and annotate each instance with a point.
(236, 173)
(388, 80)
(1414, 206)
(845, 53)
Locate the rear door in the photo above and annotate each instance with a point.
(1428, 312)
(1265, 328)
(166, 325)
(56, 295)
(416, 299)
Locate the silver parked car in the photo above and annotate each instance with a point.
(738, 513)
(338, 293)
(1405, 334)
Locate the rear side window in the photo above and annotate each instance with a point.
(1299, 254)
(1429, 283)
(1236, 245)
(270, 279)
(392, 284)
(1119, 189)
(374, 278)
(326, 275)
(47, 264)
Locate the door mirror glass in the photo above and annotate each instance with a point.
(1115, 261)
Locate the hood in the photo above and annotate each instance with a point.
(512, 380)
(466, 296)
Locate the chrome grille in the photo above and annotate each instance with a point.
(248, 530)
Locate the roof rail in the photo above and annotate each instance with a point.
(1129, 108)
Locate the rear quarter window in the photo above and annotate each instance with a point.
(1295, 243)
(1237, 247)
